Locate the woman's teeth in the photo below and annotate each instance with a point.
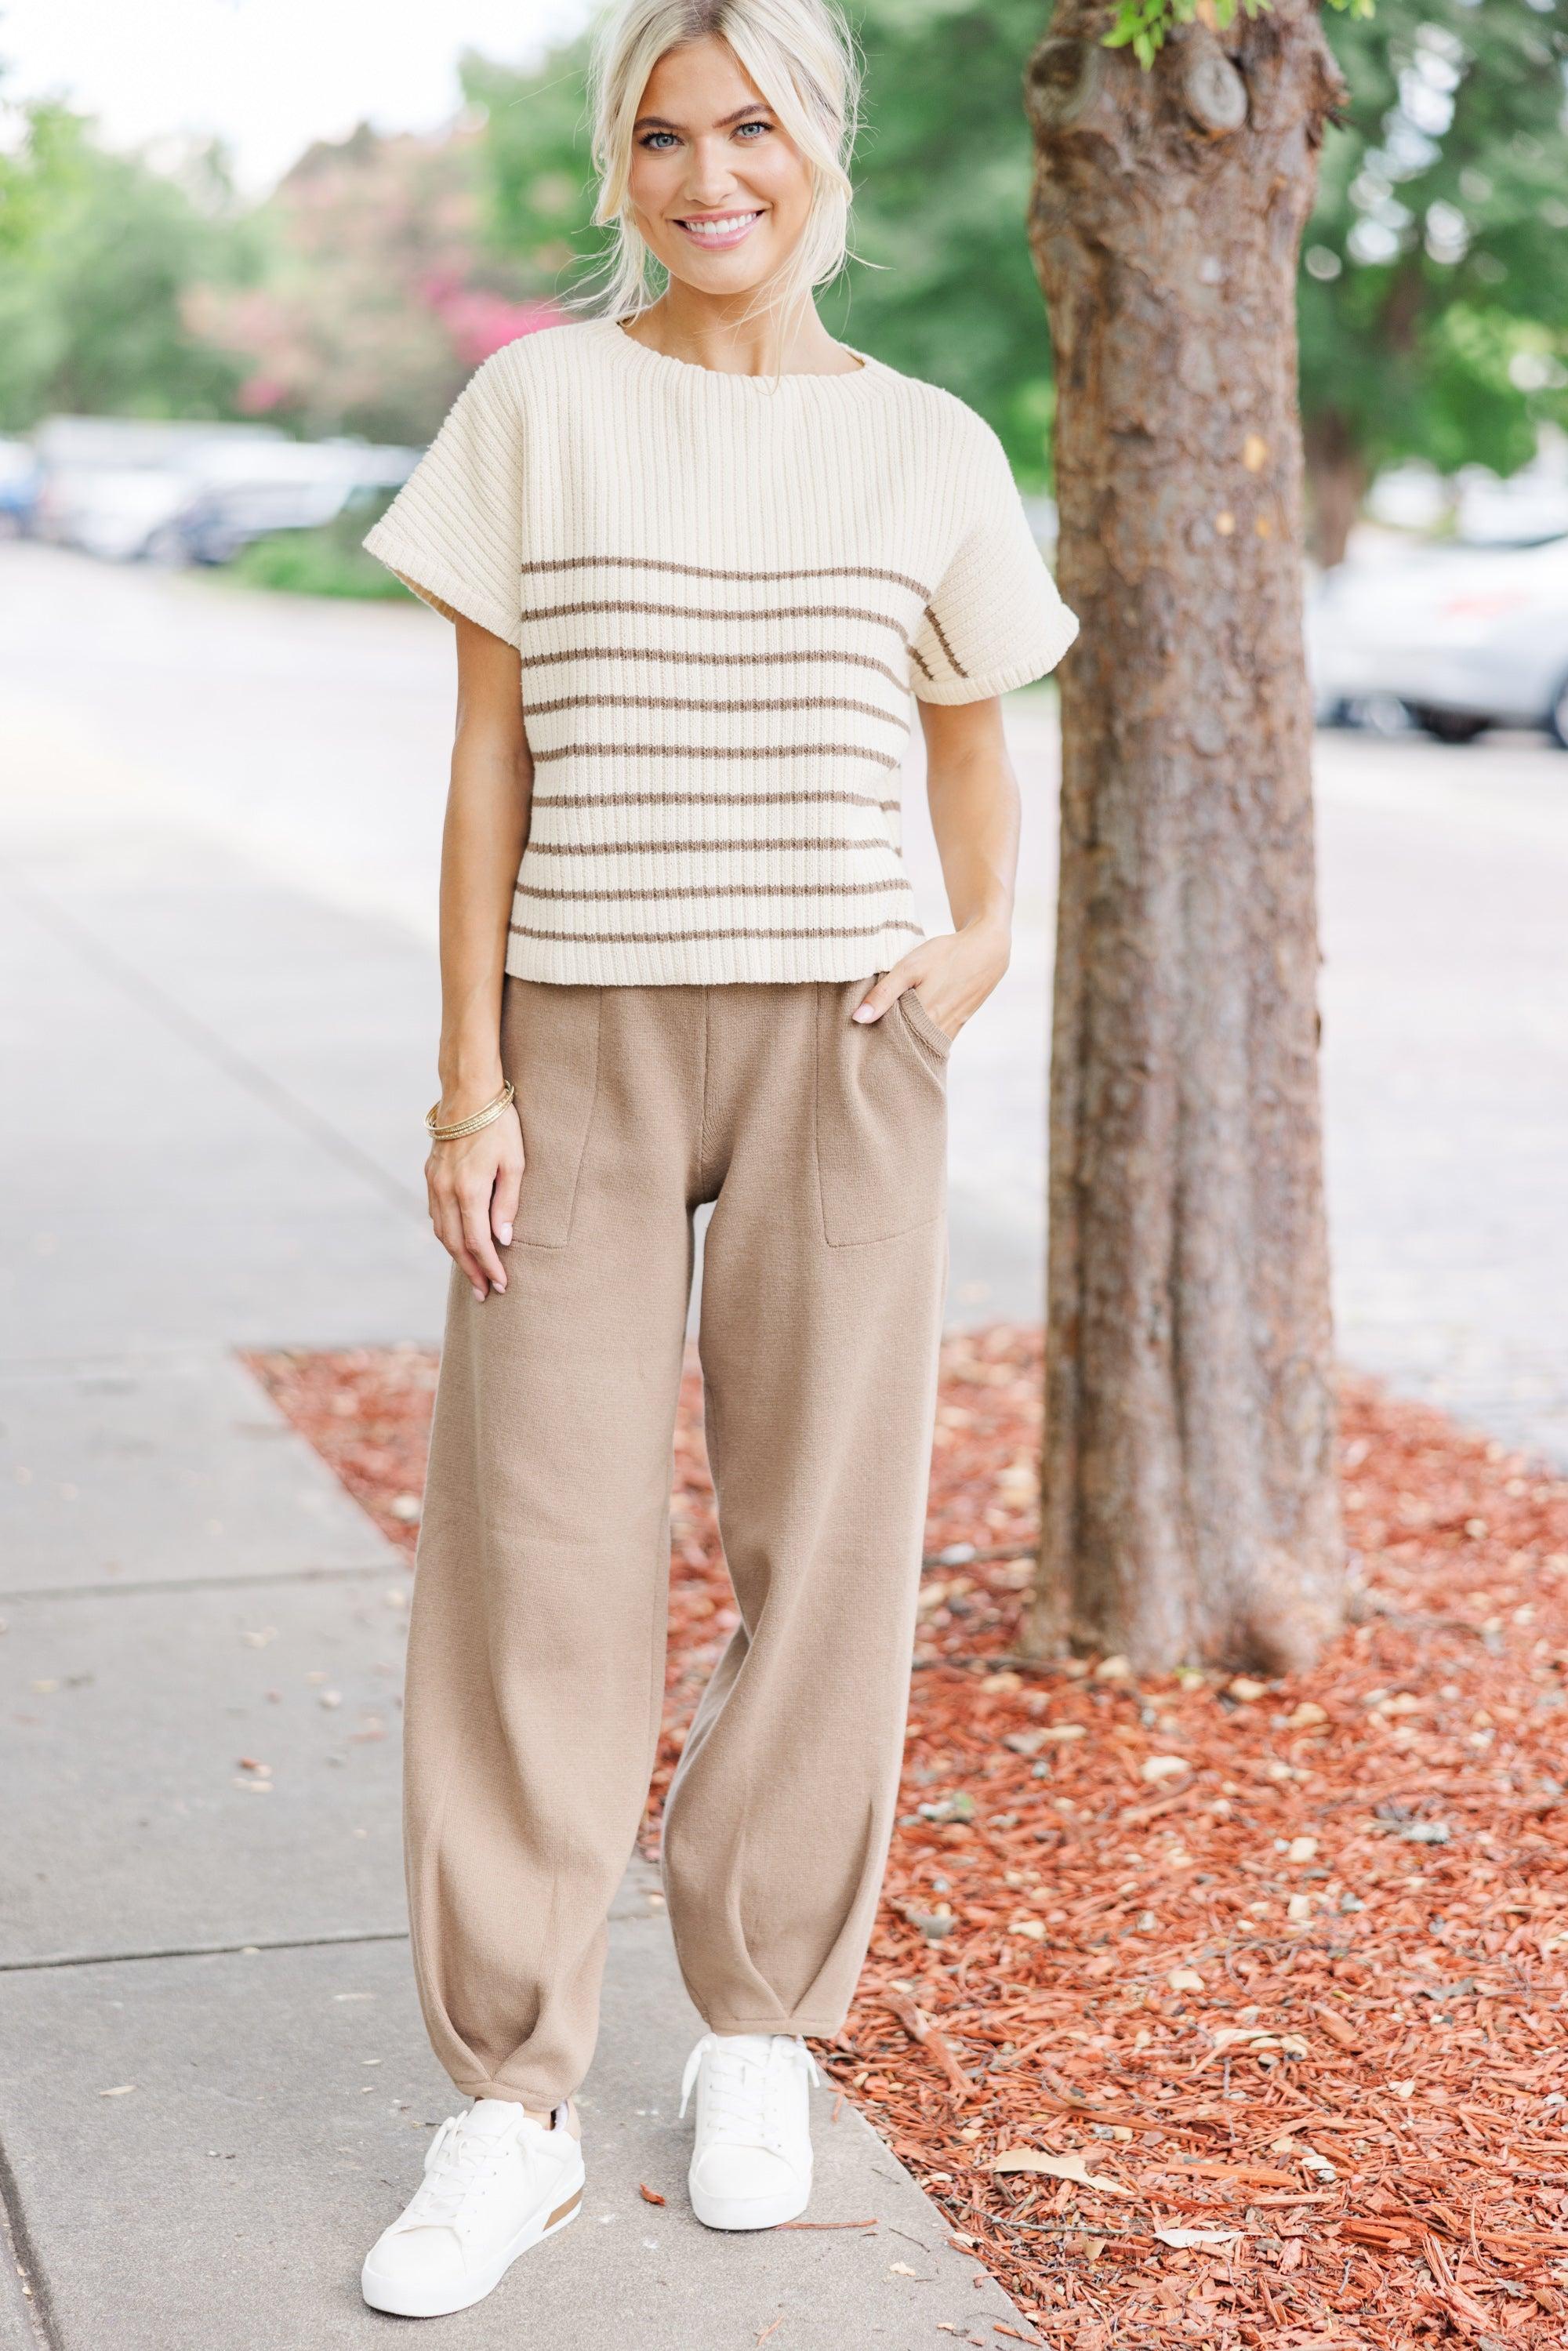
(723, 228)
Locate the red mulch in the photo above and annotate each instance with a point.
(1283, 1965)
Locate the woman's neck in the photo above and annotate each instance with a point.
(705, 332)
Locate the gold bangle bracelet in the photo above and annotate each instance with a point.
(459, 1127)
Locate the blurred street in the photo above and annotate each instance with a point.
(176, 735)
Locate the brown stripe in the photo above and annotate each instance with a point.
(705, 799)
(652, 653)
(674, 847)
(924, 666)
(706, 612)
(940, 634)
(681, 938)
(588, 699)
(714, 751)
(708, 571)
(562, 2210)
(724, 890)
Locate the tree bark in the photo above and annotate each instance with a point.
(1191, 1498)
(1337, 477)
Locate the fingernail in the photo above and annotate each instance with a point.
(478, 1294)
(505, 1236)
(864, 1012)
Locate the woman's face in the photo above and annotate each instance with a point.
(719, 190)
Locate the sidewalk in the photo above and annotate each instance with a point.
(214, 2088)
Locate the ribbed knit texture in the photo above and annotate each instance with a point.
(724, 594)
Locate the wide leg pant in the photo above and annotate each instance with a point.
(536, 1636)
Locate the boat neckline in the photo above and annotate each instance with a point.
(869, 372)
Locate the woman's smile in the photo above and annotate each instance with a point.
(717, 231)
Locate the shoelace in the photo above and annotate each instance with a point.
(456, 2164)
(741, 2102)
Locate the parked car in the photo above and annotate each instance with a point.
(1462, 638)
(111, 482)
(216, 523)
(195, 493)
(20, 480)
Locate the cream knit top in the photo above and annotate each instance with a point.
(724, 595)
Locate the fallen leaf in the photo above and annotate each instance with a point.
(649, 2195)
(1184, 1980)
(1163, 1767)
(1183, 2237)
(1056, 2167)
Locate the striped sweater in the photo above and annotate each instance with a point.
(724, 595)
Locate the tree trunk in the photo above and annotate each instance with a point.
(1191, 1498)
(1336, 485)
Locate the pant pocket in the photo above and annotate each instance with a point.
(935, 1041)
(881, 1119)
(549, 1049)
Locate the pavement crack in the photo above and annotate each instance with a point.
(29, 2288)
(348, 1935)
(262, 1579)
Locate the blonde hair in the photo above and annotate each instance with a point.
(800, 55)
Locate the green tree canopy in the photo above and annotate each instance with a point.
(1434, 304)
(97, 251)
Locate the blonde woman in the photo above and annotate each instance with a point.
(699, 556)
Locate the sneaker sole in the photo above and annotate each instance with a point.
(403, 2302)
(748, 2211)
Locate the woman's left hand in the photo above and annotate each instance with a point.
(951, 976)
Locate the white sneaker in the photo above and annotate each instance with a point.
(494, 2182)
(751, 2164)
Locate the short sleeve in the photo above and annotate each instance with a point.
(454, 532)
(995, 621)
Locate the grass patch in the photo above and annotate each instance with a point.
(327, 561)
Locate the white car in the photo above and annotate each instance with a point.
(1463, 637)
(127, 490)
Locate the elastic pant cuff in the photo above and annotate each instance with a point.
(809, 2028)
(541, 2102)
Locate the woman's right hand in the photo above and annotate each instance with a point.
(473, 1184)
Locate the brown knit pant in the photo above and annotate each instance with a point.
(537, 1639)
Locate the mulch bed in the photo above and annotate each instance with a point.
(1211, 2012)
